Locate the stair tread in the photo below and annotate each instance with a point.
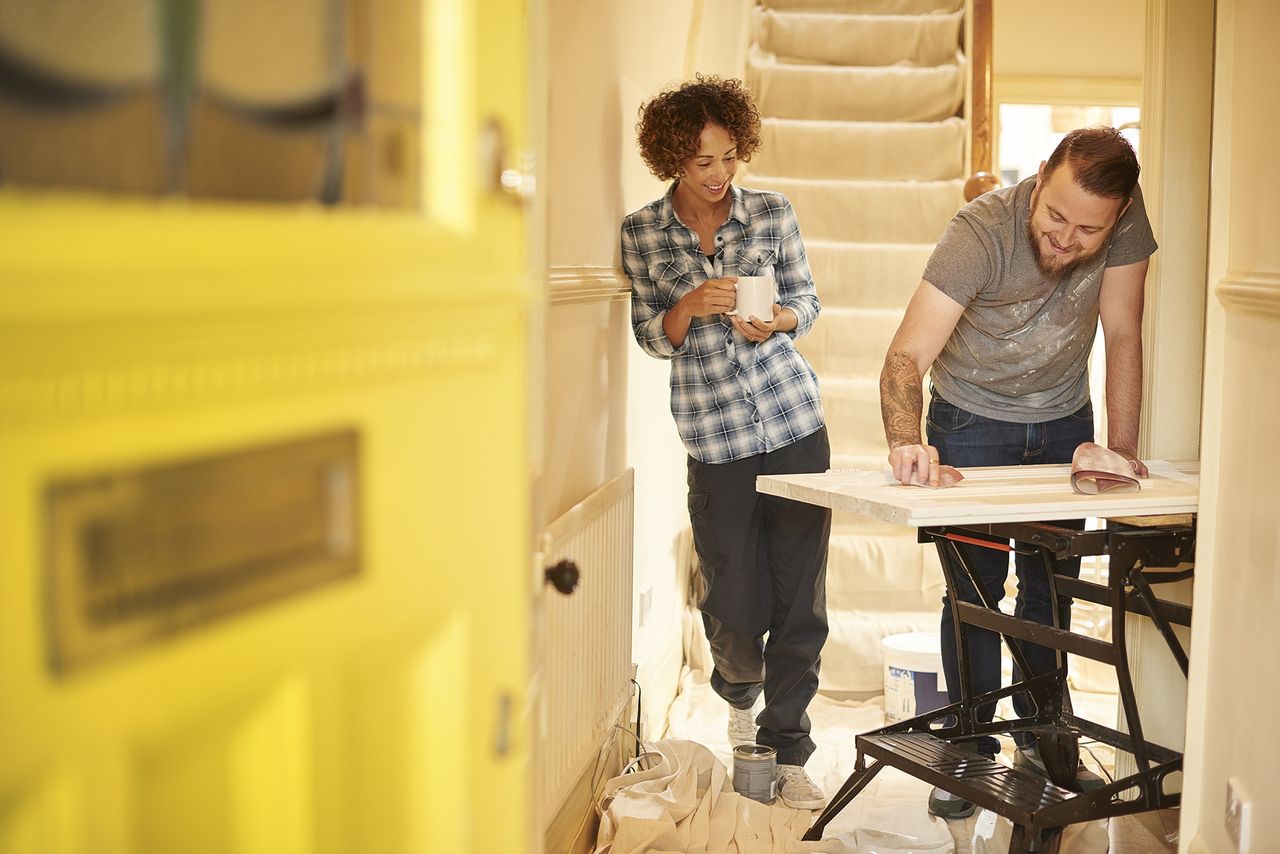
(857, 16)
(861, 125)
(855, 247)
(859, 313)
(762, 59)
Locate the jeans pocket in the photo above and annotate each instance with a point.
(945, 418)
(698, 503)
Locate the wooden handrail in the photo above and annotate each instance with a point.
(981, 127)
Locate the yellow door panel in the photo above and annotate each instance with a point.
(185, 666)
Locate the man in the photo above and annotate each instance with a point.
(1005, 319)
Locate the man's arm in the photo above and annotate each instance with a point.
(1120, 304)
(931, 316)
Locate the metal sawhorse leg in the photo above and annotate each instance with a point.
(926, 746)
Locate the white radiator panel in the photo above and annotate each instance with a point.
(583, 681)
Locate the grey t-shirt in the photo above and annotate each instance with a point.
(1020, 351)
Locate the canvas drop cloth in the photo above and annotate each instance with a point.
(685, 803)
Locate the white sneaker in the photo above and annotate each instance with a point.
(797, 790)
(742, 726)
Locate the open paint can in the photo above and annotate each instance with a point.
(755, 772)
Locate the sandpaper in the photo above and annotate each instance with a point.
(1095, 470)
(947, 476)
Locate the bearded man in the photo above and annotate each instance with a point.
(1005, 319)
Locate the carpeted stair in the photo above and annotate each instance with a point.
(861, 102)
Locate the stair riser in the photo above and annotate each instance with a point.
(847, 345)
(870, 212)
(842, 39)
(852, 420)
(871, 456)
(866, 276)
(861, 151)
(892, 565)
(853, 658)
(857, 94)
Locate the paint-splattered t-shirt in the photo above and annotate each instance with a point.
(1020, 351)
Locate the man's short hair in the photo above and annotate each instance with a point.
(1101, 159)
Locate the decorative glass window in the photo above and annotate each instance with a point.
(284, 100)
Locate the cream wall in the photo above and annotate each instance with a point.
(1234, 692)
(1084, 38)
(605, 401)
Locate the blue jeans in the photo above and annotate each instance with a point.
(965, 439)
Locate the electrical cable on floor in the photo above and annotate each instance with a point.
(629, 768)
(639, 698)
(604, 751)
(1101, 767)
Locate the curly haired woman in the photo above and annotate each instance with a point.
(745, 403)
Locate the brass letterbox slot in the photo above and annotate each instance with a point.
(138, 554)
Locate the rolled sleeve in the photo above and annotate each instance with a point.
(648, 308)
(796, 289)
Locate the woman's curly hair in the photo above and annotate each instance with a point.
(670, 126)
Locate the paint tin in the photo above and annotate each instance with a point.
(755, 772)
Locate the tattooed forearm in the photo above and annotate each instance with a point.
(901, 400)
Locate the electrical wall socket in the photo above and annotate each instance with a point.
(1239, 815)
(645, 606)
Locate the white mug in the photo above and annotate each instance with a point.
(755, 298)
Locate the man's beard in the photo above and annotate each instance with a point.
(1049, 264)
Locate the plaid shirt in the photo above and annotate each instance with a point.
(730, 398)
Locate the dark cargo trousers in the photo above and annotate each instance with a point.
(764, 567)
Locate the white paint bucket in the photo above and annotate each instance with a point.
(913, 679)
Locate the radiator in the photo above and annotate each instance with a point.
(583, 679)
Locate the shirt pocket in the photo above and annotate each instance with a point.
(675, 277)
(757, 258)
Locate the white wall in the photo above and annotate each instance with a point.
(1234, 692)
(606, 402)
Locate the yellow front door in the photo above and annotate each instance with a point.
(263, 464)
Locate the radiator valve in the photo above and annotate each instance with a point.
(563, 576)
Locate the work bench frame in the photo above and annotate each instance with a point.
(931, 746)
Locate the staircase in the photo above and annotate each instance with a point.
(861, 104)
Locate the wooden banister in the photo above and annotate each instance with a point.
(982, 175)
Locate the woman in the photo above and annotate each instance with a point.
(745, 403)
